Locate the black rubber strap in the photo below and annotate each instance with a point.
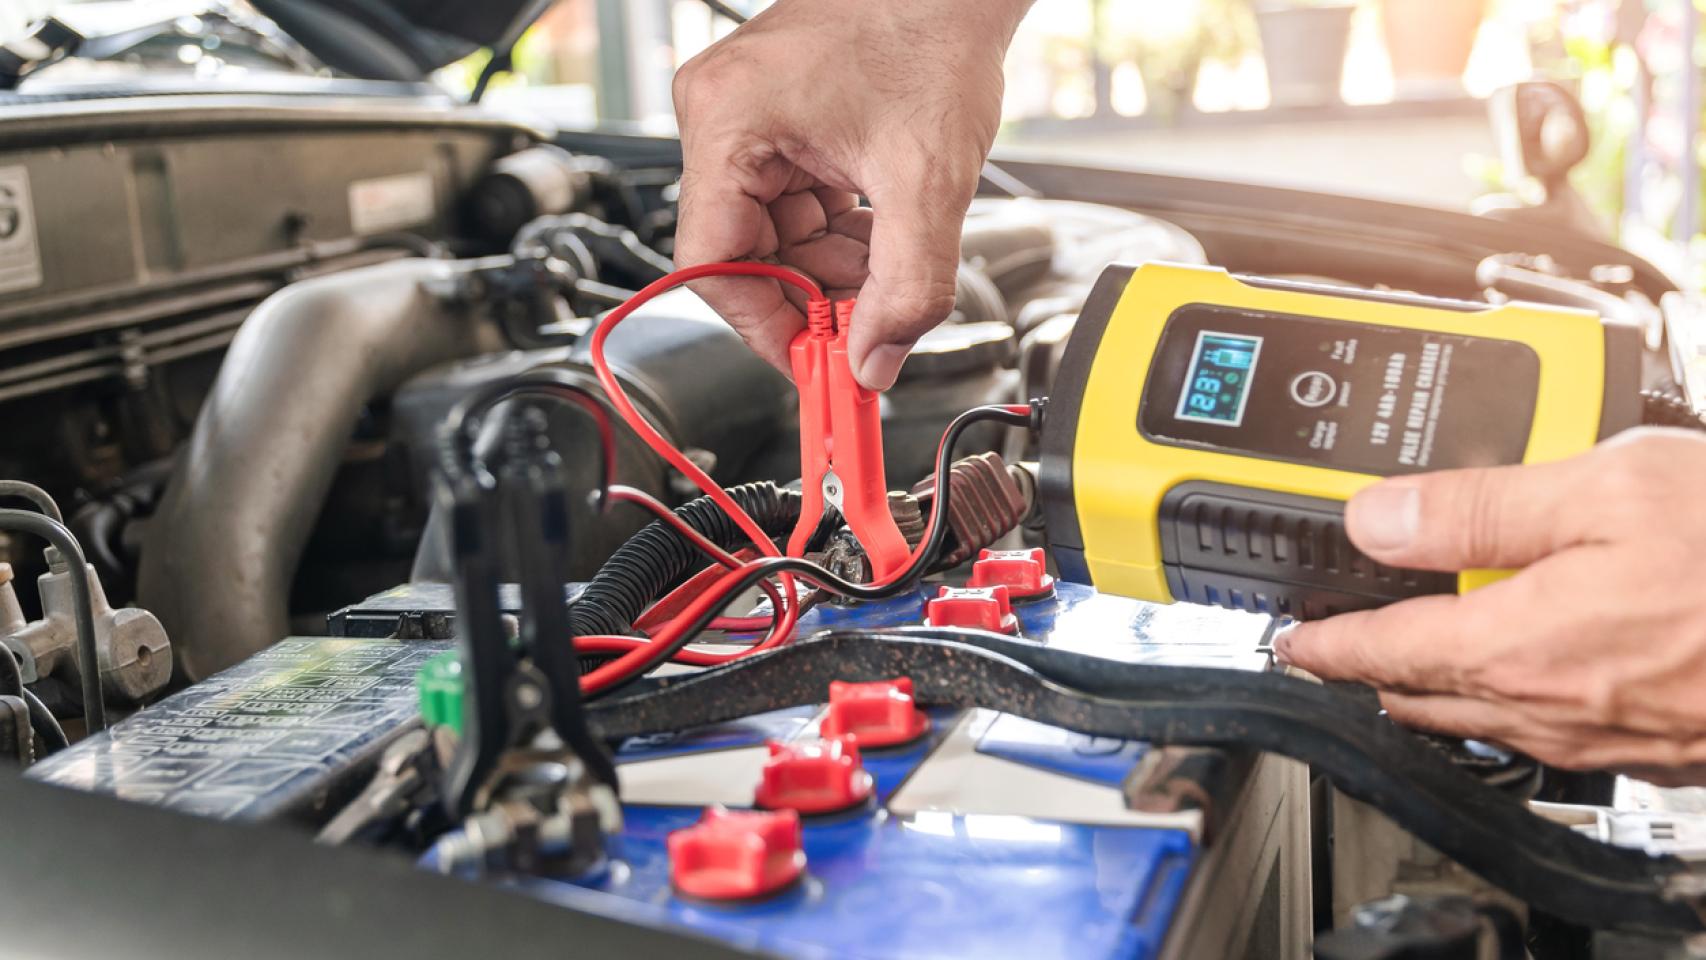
(1551, 866)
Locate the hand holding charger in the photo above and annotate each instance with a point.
(1205, 430)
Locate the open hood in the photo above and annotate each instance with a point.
(399, 39)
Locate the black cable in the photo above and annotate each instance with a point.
(725, 11)
(659, 558)
(46, 725)
(402, 239)
(36, 495)
(88, 655)
(455, 446)
(764, 567)
(607, 247)
(11, 678)
(42, 720)
(1364, 753)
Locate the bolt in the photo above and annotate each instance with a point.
(528, 696)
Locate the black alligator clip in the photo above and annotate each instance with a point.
(523, 713)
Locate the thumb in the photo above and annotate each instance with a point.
(915, 251)
(1466, 519)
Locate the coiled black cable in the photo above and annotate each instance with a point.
(816, 574)
(659, 559)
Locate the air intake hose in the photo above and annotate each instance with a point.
(658, 559)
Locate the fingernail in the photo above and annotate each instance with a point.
(1282, 643)
(882, 366)
(1386, 516)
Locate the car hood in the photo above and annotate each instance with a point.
(399, 39)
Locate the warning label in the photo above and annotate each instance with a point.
(258, 739)
(20, 253)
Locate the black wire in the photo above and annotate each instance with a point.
(46, 725)
(722, 9)
(11, 678)
(818, 575)
(456, 445)
(42, 720)
(88, 656)
(36, 495)
(402, 239)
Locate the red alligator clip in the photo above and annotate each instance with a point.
(841, 442)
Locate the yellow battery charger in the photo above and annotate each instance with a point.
(1205, 430)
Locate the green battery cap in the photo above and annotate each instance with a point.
(439, 683)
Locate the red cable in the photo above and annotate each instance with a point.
(639, 424)
(638, 651)
(671, 605)
(625, 494)
(600, 416)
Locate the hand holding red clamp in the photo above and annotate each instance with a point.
(841, 442)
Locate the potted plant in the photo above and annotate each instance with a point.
(1429, 42)
(1168, 43)
(1303, 45)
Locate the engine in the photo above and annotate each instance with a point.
(344, 375)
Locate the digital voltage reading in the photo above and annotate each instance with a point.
(1217, 387)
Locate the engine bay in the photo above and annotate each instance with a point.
(372, 533)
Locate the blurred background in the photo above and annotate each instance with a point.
(1381, 98)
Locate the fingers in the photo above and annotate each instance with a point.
(1453, 715)
(830, 246)
(1671, 761)
(722, 220)
(1401, 647)
(1467, 519)
(915, 250)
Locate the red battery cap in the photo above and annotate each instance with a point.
(736, 854)
(813, 777)
(980, 608)
(1023, 572)
(879, 714)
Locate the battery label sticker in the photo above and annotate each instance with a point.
(391, 203)
(20, 253)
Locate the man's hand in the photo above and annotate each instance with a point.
(1591, 656)
(788, 120)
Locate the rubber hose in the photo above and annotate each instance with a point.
(34, 494)
(658, 559)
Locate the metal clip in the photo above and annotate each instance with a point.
(841, 442)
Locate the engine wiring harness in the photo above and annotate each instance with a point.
(676, 620)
